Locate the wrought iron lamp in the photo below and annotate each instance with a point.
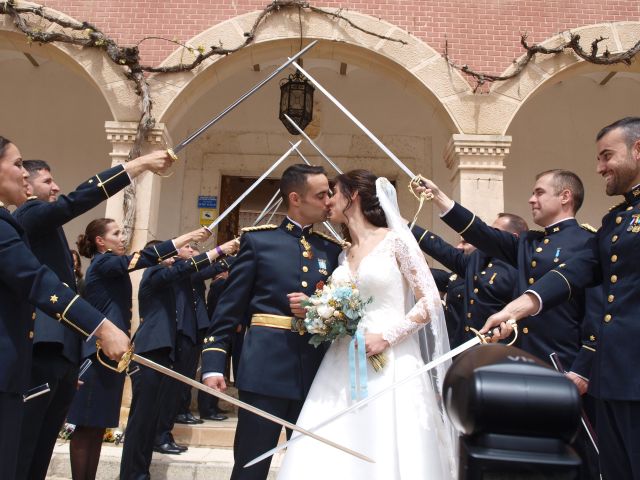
(296, 100)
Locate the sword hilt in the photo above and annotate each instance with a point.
(484, 338)
(419, 180)
(123, 364)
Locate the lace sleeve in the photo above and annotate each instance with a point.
(416, 272)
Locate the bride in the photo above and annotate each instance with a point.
(406, 430)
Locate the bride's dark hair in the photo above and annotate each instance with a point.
(363, 182)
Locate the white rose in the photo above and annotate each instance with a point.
(325, 311)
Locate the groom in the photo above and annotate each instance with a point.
(276, 267)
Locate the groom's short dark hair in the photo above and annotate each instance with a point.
(294, 179)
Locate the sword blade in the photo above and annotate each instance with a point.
(313, 144)
(234, 401)
(429, 366)
(251, 188)
(367, 132)
(257, 87)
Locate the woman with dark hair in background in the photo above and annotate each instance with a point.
(96, 406)
(77, 270)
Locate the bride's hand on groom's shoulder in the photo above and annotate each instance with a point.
(375, 344)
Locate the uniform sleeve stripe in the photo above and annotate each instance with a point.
(101, 185)
(114, 176)
(565, 279)
(214, 350)
(422, 236)
(64, 316)
(589, 348)
(467, 227)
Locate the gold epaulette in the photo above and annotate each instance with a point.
(617, 205)
(588, 227)
(258, 228)
(327, 237)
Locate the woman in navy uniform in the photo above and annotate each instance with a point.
(155, 339)
(25, 283)
(96, 406)
(274, 268)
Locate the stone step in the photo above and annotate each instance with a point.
(194, 464)
(211, 433)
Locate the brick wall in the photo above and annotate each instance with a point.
(484, 35)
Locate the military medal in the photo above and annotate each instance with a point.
(634, 224)
(307, 248)
(557, 258)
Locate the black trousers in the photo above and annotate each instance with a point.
(185, 351)
(45, 415)
(11, 409)
(618, 427)
(150, 390)
(255, 435)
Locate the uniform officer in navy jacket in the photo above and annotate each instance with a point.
(568, 329)
(56, 351)
(610, 258)
(25, 282)
(155, 339)
(275, 267)
(489, 282)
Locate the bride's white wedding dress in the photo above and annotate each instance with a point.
(404, 431)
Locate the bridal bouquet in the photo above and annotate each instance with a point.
(334, 311)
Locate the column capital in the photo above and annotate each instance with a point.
(123, 134)
(485, 152)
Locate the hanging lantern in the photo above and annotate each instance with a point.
(296, 100)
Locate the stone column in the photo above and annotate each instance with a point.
(477, 165)
(147, 204)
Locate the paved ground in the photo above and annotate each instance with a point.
(195, 464)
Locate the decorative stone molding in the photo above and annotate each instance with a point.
(477, 164)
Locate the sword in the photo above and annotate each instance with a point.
(175, 150)
(352, 117)
(128, 357)
(586, 424)
(313, 144)
(221, 217)
(478, 339)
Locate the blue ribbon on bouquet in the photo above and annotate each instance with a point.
(358, 362)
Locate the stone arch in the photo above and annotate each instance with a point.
(551, 69)
(416, 62)
(90, 63)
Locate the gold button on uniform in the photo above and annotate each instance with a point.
(618, 220)
(33, 316)
(629, 208)
(533, 263)
(58, 316)
(472, 301)
(525, 330)
(305, 254)
(305, 269)
(475, 290)
(539, 249)
(546, 240)
(531, 280)
(614, 278)
(610, 298)
(304, 284)
(614, 258)
(466, 328)
(469, 315)
(614, 239)
(607, 318)
(31, 335)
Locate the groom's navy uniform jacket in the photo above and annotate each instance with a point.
(272, 262)
(489, 283)
(56, 351)
(566, 329)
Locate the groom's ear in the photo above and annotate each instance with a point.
(294, 198)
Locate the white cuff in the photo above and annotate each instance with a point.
(206, 375)
(578, 375)
(442, 214)
(539, 300)
(95, 330)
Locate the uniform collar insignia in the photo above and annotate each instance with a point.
(294, 229)
(289, 226)
(556, 227)
(633, 196)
